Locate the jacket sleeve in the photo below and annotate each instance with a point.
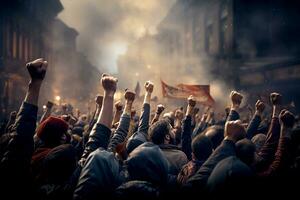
(142, 133)
(266, 154)
(199, 128)
(226, 149)
(121, 133)
(186, 137)
(233, 115)
(252, 127)
(282, 158)
(99, 137)
(20, 147)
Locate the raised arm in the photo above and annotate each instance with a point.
(122, 130)
(187, 128)
(100, 135)
(283, 155)
(160, 108)
(266, 154)
(18, 153)
(47, 112)
(118, 112)
(236, 100)
(256, 119)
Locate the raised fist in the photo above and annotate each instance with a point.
(129, 95)
(160, 108)
(149, 86)
(49, 104)
(195, 111)
(234, 130)
(13, 115)
(286, 118)
(275, 98)
(109, 83)
(191, 101)
(179, 114)
(37, 69)
(99, 99)
(236, 98)
(260, 106)
(118, 106)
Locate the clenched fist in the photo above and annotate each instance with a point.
(287, 119)
(191, 101)
(160, 108)
(49, 104)
(275, 98)
(118, 106)
(234, 130)
(149, 86)
(37, 69)
(179, 114)
(129, 95)
(109, 83)
(236, 98)
(259, 106)
(99, 99)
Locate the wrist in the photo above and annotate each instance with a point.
(235, 107)
(189, 110)
(109, 94)
(258, 113)
(35, 83)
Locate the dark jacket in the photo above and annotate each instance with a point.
(230, 176)
(141, 135)
(188, 171)
(15, 162)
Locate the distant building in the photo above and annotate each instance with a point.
(253, 45)
(29, 30)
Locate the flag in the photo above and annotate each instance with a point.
(183, 91)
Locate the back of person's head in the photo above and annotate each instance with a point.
(245, 151)
(51, 131)
(202, 147)
(148, 163)
(59, 164)
(259, 140)
(159, 131)
(215, 134)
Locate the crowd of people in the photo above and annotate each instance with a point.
(116, 155)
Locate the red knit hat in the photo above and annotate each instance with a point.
(51, 130)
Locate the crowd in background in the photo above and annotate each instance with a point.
(117, 153)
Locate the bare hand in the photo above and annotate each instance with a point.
(118, 106)
(129, 95)
(37, 69)
(191, 101)
(236, 98)
(286, 119)
(260, 106)
(160, 108)
(149, 86)
(234, 130)
(99, 99)
(275, 98)
(49, 104)
(109, 83)
(179, 114)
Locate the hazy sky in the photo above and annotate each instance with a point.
(106, 27)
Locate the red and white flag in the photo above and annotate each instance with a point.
(183, 91)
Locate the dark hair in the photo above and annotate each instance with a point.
(245, 150)
(158, 131)
(215, 134)
(202, 147)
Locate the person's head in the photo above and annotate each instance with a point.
(160, 132)
(201, 147)
(215, 134)
(170, 117)
(259, 140)
(148, 163)
(245, 151)
(52, 131)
